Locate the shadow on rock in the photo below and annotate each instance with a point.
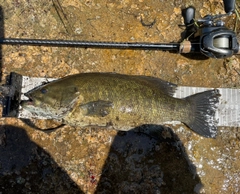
(148, 159)
(27, 168)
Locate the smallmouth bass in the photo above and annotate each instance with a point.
(122, 102)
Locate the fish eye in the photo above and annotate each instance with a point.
(43, 90)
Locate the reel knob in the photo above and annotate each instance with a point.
(188, 15)
(229, 6)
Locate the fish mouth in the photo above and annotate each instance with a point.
(30, 100)
(26, 103)
(29, 96)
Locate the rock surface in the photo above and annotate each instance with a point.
(92, 160)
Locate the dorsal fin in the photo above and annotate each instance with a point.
(166, 87)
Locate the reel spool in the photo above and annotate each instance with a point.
(220, 43)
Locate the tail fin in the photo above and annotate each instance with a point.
(204, 106)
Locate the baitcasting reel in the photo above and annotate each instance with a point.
(209, 34)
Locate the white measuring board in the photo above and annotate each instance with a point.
(228, 112)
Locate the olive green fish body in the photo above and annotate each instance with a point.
(121, 102)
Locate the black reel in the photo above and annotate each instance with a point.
(210, 35)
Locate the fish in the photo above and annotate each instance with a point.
(122, 102)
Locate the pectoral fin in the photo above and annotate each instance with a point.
(98, 108)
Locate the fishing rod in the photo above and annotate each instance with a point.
(90, 44)
(208, 36)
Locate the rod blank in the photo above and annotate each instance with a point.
(90, 44)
